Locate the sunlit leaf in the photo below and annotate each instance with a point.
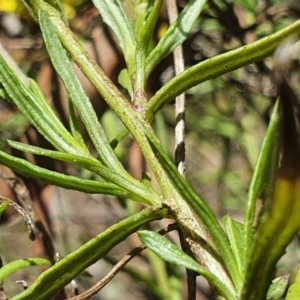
(216, 234)
(171, 253)
(65, 70)
(54, 279)
(176, 33)
(235, 232)
(115, 17)
(13, 266)
(3, 205)
(27, 169)
(294, 290)
(36, 110)
(278, 287)
(134, 191)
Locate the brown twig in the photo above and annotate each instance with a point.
(116, 269)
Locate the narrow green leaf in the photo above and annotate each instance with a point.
(171, 253)
(278, 287)
(235, 232)
(218, 65)
(205, 215)
(115, 17)
(55, 278)
(35, 109)
(131, 116)
(65, 70)
(25, 168)
(264, 175)
(280, 220)
(294, 290)
(135, 191)
(144, 38)
(16, 265)
(176, 33)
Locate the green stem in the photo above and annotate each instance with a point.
(130, 116)
(218, 65)
(138, 78)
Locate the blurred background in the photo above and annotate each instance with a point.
(226, 119)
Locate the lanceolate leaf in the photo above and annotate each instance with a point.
(134, 191)
(3, 206)
(171, 253)
(218, 65)
(65, 70)
(176, 34)
(74, 126)
(115, 17)
(263, 179)
(35, 109)
(278, 288)
(235, 232)
(280, 220)
(13, 266)
(54, 279)
(68, 182)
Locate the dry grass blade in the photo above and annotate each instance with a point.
(24, 214)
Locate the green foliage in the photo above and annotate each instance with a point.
(238, 260)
